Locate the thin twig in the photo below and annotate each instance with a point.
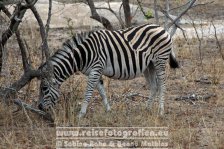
(156, 11)
(217, 41)
(47, 26)
(176, 24)
(26, 106)
(182, 13)
(113, 12)
(27, 116)
(6, 11)
(135, 12)
(202, 4)
(129, 95)
(142, 10)
(120, 12)
(200, 41)
(168, 12)
(196, 5)
(195, 97)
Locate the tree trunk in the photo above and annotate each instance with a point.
(127, 12)
(156, 12)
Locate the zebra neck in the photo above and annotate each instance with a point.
(74, 56)
(65, 63)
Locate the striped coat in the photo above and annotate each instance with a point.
(122, 54)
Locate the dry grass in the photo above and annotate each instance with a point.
(190, 125)
(197, 124)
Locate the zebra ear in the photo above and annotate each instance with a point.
(46, 70)
(43, 71)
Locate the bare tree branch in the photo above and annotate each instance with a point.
(217, 41)
(5, 10)
(106, 23)
(176, 24)
(20, 42)
(10, 92)
(156, 12)
(115, 14)
(43, 34)
(182, 13)
(13, 26)
(23, 51)
(127, 12)
(43, 114)
(9, 2)
(47, 26)
(142, 10)
(167, 10)
(200, 42)
(195, 97)
(120, 12)
(29, 72)
(195, 5)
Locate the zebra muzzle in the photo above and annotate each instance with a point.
(40, 106)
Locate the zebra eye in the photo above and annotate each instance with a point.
(54, 82)
(44, 88)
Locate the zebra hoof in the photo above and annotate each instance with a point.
(108, 108)
(81, 115)
(149, 106)
(161, 112)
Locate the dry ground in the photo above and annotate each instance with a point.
(192, 124)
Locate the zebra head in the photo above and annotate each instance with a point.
(49, 94)
(49, 89)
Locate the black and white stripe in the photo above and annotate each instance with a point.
(123, 54)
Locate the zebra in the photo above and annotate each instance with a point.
(122, 54)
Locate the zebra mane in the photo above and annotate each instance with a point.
(70, 44)
(76, 40)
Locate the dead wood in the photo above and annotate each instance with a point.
(106, 23)
(195, 97)
(130, 95)
(113, 12)
(218, 42)
(203, 81)
(28, 107)
(29, 72)
(15, 21)
(127, 12)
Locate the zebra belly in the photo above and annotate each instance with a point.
(122, 74)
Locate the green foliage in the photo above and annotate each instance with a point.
(149, 14)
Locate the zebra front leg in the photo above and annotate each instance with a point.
(93, 80)
(101, 89)
(150, 76)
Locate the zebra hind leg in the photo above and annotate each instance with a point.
(161, 78)
(101, 89)
(150, 76)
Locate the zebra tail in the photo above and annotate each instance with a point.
(173, 61)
